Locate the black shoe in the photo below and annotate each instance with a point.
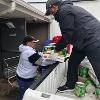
(64, 88)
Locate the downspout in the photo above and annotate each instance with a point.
(9, 10)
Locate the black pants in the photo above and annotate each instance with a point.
(76, 58)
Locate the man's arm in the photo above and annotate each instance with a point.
(67, 28)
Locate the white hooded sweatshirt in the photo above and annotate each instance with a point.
(26, 69)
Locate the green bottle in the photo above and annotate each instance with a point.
(64, 52)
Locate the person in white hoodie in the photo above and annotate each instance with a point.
(27, 67)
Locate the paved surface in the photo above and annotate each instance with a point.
(7, 98)
(7, 92)
(72, 95)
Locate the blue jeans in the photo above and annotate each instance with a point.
(23, 86)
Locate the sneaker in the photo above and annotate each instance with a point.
(64, 88)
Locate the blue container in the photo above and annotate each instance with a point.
(47, 42)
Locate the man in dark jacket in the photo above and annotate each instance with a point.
(82, 30)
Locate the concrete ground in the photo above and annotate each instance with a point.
(7, 92)
(71, 94)
(8, 98)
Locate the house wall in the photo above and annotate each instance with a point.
(39, 31)
(92, 6)
(10, 39)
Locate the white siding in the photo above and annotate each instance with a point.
(92, 6)
(54, 29)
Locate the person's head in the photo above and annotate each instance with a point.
(30, 41)
(52, 6)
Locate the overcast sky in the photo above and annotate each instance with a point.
(35, 0)
(39, 6)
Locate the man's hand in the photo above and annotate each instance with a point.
(59, 46)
